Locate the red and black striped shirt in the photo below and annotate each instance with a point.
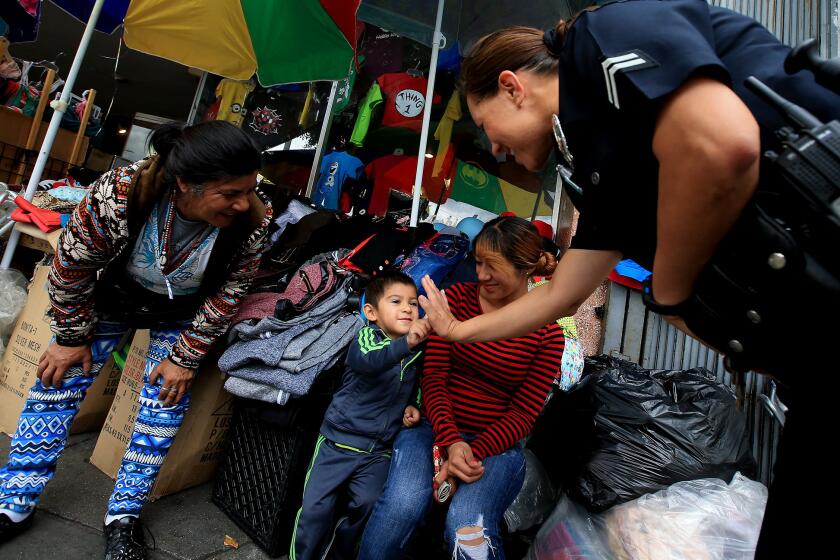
(492, 389)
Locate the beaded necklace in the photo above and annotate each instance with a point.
(166, 242)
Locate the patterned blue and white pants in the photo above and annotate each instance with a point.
(48, 413)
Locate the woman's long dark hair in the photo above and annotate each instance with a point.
(519, 242)
(210, 151)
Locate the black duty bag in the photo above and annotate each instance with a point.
(625, 431)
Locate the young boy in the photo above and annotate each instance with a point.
(352, 454)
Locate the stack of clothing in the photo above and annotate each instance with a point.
(273, 359)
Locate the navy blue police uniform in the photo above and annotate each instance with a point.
(618, 65)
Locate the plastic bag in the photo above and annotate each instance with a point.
(570, 533)
(535, 499)
(628, 431)
(12, 299)
(704, 519)
(699, 519)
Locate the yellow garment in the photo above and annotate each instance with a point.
(217, 34)
(521, 202)
(568, 323)
(443, 132)
(232, 96)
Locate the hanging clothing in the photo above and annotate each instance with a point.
(336, 168)
(383, 52)
(405, 99)
(345, 88)
(366, 106)
(232, 95)
(443, 132)
(398, 173)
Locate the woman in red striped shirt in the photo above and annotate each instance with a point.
(479, 401)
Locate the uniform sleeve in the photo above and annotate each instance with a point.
(632, 55)
(214, 316)
(369, 354)
(528, 401)
(84, 247)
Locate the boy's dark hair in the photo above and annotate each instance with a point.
(376, 288)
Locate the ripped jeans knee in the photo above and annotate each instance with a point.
(472, 543)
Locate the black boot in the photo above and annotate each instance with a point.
(10, 529)
(124, 540)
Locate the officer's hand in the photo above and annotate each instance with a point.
(437, 310)
(55, 362)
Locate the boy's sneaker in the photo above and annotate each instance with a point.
(10, 529)
(124, 540)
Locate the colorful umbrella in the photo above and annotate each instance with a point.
(280, 42)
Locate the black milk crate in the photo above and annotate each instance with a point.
(260, 480)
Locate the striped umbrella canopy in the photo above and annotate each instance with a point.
(281, 42)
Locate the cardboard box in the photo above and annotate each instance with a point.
(194, 455)
(34, 238)
(19, 366)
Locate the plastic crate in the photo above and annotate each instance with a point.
(260, 480)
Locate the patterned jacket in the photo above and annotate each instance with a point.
(108, 219)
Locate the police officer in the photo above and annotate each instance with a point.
(665, 144)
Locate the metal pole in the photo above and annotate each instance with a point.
(325, 132)
(555, 210)
(199, 91)
(59, 108)
(438, 41)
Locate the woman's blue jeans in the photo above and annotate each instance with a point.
(407, 498)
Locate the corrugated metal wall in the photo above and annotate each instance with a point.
(633, 333)
(793, 21)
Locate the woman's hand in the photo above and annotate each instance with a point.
(176, 382)
(411, 416)
(462, 464)
(437, 310)
(55, 362)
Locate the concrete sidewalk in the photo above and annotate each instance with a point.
(68, 524)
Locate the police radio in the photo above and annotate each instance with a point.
(781, 260)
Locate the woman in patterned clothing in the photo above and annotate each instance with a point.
(170, 243)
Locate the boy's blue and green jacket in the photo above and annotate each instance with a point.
(379, 381)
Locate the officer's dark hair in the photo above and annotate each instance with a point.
(518, 241)
(210, 151)
(513, 48)
(375, 290)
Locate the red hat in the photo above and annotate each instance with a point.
(544, 229)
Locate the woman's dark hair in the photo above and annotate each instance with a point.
(513, 48)
(210, 151)
(519, 242)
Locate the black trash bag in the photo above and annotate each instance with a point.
(634, 431)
